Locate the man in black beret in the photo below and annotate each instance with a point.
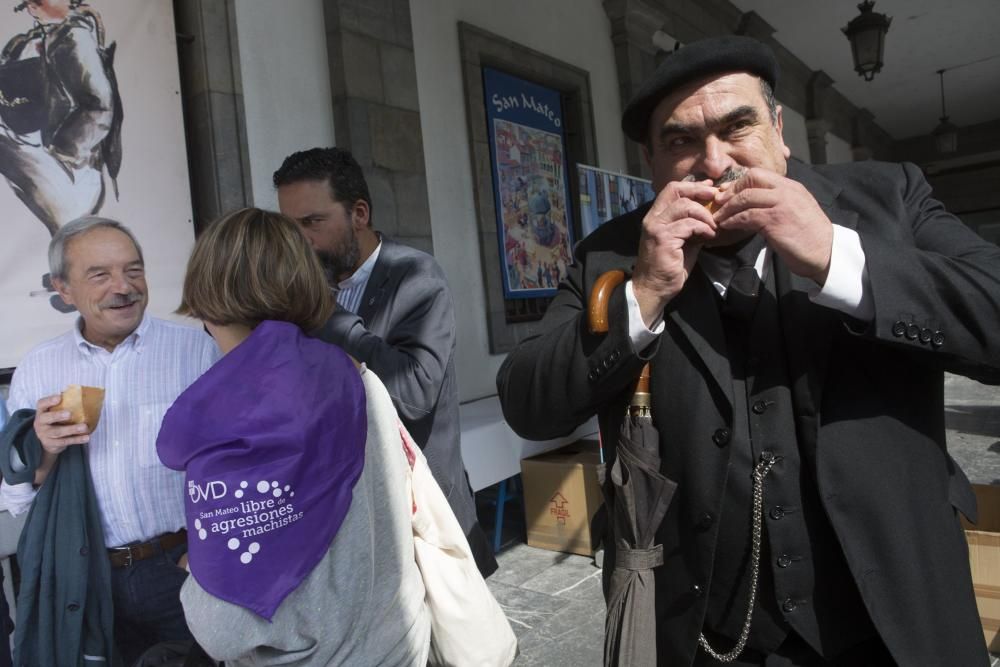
(798, 321)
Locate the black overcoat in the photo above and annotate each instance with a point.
(868, 405)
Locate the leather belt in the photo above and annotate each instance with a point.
(131, 553)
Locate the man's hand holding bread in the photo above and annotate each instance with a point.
(64, 420)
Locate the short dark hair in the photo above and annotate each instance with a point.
(336, 166)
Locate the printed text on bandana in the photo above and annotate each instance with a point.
(247, 517)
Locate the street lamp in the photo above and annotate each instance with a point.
(867, 34)
(946, 133)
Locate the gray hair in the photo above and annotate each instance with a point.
(772, 106)
(78, 227)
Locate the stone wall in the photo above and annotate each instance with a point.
(373, 81)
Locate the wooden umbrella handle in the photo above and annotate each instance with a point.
(597, 320)
(600, 295)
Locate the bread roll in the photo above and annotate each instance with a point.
(84, 405)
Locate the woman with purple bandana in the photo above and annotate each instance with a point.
(298, 515)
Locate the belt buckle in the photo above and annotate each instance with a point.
(128, 555)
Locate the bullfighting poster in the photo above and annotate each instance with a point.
(530, 186)
(605, 195)
(90, 124)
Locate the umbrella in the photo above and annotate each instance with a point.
(637, 499)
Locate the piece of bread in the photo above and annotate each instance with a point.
(84, 405)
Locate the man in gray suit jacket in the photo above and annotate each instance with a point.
(395, 314)
(798, 321)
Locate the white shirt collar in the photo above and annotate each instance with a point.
(133, 338)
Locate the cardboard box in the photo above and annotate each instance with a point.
(561, 495)
(984, 558)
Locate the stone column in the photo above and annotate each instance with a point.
(214, 121)
(633, 23)
(817, 124)
(860, 125)
(373, 79)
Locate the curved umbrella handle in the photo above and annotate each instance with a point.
(600, 295)
(597, 320)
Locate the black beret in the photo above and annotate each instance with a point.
(715, 55)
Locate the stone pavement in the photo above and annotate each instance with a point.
(554, 600)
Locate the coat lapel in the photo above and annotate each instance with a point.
(809, 329)
(378, 281)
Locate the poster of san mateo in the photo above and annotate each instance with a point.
(530, 185)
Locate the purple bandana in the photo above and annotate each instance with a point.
(272, 438)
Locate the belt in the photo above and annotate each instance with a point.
(130, 553)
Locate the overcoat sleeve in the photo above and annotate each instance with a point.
(935, 284)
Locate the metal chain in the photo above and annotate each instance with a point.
(764, 467)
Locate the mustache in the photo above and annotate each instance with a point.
(121, 300)
(729, 175)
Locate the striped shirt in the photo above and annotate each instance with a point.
(350, 291)
(138, 496)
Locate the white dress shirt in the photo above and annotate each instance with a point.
(350, 290)
(846, 289)
(138, 496)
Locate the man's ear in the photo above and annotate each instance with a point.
(360, 215)
(63, 290)
(646, 155)
(779, 125)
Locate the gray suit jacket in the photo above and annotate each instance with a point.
(405, 332)
(868, 404)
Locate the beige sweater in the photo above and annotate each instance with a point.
(363, 604)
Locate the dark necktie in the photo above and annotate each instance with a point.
(744, 286)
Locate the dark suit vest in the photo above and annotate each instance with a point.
(804, 582)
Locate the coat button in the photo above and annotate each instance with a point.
(759, 407)
(937, 340)
(784, 561)
(607, 363)
(925, 335)
(705, 521)
(72, 606)
(912, 331)
(788, 605)
(591, 376)
(721, 436)
(899, 328)
(84, 551)
(615, 355)
(777, 512)
(697, 590)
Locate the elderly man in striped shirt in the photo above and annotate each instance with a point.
(143, 363)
